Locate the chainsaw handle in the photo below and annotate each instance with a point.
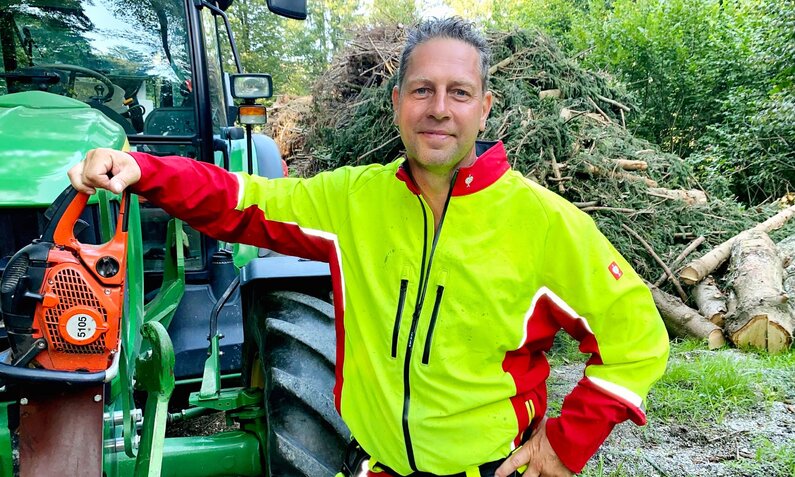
(57, 210)
(66, 211)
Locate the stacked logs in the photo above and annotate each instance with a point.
(756, 306)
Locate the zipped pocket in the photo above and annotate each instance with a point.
(404, 284)
(426, 354)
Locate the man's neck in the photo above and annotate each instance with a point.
(435, 185)
(434, 188)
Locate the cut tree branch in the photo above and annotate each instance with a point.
(631, 164)
(680, 258)
(613, 102)
(690, 197)
(594, 170)
(659, 261)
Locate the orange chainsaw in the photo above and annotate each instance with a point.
(62, 300)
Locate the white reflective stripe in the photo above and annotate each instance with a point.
(333, 238)
(239, 190)
(544, 291)
(617, 390)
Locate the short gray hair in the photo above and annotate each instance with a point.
(455, 28)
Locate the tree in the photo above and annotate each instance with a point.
(389, 12)
(295, 53)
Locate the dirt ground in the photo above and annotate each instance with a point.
(682, 449)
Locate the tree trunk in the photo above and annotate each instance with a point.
(710, 300)
(787, 250)
(696, 270)
(683, 321)
(761, 317)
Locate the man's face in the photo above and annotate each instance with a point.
(441, 106)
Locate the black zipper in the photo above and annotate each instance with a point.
(425, 273)
(401, 301)
(427, 353)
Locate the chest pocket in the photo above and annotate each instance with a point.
(401, 305)
(437, 304)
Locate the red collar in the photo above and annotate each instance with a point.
(488, 167)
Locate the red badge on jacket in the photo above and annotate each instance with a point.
(615, 270)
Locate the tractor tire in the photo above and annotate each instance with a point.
(295, 355)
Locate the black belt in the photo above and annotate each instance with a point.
(355, 456)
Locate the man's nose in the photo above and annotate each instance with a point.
(439, 107)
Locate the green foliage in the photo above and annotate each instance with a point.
(673, 56)
(597, 468)
(711, 77)
(752, 143)
(389, 12)
(553, 17)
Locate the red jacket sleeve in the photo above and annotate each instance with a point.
(201, 194)
(586, 419)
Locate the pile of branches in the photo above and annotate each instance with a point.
(564, 127)
(289, 126)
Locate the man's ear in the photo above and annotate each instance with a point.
(487, 100)
(395, 103)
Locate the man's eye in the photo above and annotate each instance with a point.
(460, 93)
(421, 91)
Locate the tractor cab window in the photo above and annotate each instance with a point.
(129, 59)
(213, 40)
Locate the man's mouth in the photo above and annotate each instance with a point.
(435, 134)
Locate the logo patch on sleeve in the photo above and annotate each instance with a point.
(615, 270)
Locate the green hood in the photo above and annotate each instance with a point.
(42, 135)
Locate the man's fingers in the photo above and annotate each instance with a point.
(514, 461)
(106, 169)
(125, 172)
(76, 178)
(97, 167)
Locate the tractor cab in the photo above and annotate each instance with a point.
(157, 76)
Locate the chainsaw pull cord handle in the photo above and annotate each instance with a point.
(66, 211)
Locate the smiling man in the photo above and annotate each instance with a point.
(452, 275)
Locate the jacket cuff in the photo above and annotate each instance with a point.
(586, 419)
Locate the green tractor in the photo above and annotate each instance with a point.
(118, 320)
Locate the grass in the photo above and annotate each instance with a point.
(769, 459)
(701, 386)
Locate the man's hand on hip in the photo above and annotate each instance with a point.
(105, 169)
(539, 457)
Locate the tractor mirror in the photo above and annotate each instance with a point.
(251, 86)
(295, 9)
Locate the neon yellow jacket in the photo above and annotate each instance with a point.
(441, 339)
